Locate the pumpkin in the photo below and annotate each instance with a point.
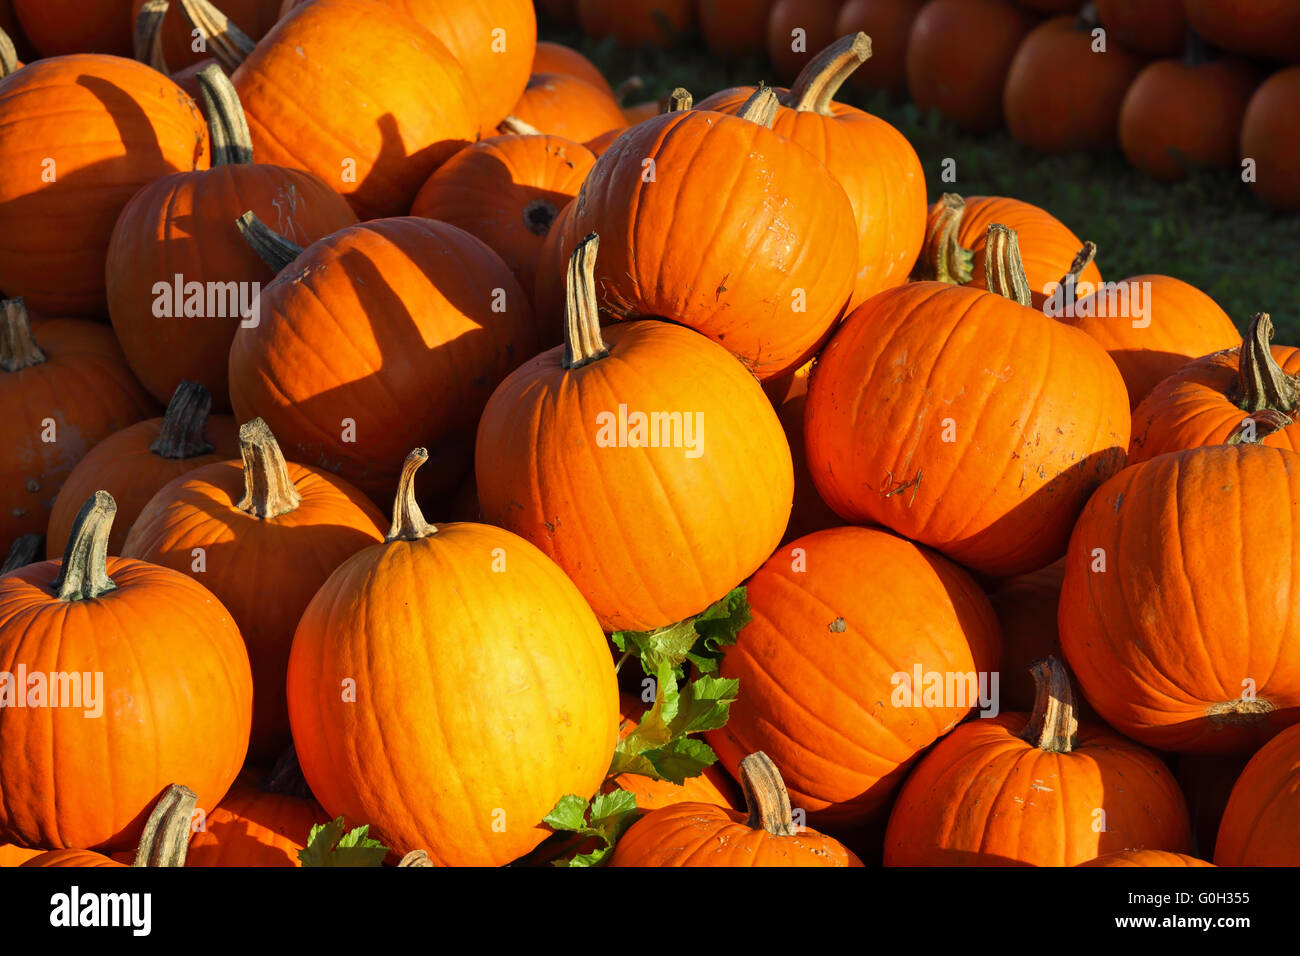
(181, 280)
(734, 29)
(1153, 27)
(1264, 29)
(694, 512)
(808, 513)
(701, 834)
(1178, 322)
(58, 27)
(11, 855)
(427, 320)
(174, 663)
(1218, 674)
(889, 24)
(252, 19)
(1268, 138)
(484, 689)
(1062, 95)
(1261, 824)
(65, 387)
(877, 167)
(134, 463)
(656, 23)
(827, 674)
(958, 55)
(66, 181)
(1050, 6)
(1161, 858)
(558, 58)
(399, 103)
(920, 375)
(560, 104)
(1247, 394)
(1037, 789)
(796, 29)
(163, 841)
(1207, 781)
(741, 234)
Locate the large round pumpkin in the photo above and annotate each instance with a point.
(889, 24)
(1261, 825)
(1269, 139)
(1154, 27)
(57, 27)
(559, 104)
(808, 513)
(1264, 29)
(558, 58)
(163, 842)
(1207, 781)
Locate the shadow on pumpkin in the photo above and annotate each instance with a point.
(395, 175)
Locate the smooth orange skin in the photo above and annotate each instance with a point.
(815, 17)
(183, 224)
(389, 324)
(958, 56)
(86, 387)
(11, 855)
(1026, 610)
(558, 58)
(1270, 135)
(880, 173)
(733, 29)
(601, 143)
(1192, 408)
(254, 17)
(888, 23)
(1264, 29)
(559, 104)
(315, 101)
(111, 125)
(634, 23)
(58, 27)
(253, 828)
(1162, 858)
(1261, 825)
(639, 112)
(77, 858)
(123, 465)
(479, 692)
(174, 667)
(818, 701)
(698, 834)
(1004, 385)
(739, 228)
(1149, 657)
(808, 513)
(1184, 324)
(1174, 114)
(649, 535)
(984, 797)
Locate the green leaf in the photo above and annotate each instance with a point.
(660, 746)
(699, 639)
(569, 814)
(332, 844)
(682, 758)
(611, 815)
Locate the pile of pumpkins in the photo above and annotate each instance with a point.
(779, 516)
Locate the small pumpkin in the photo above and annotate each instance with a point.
(1264, 29)
(59, 27)
(795, 29)
(734, 29)
(633, 23)
(889, 24)
(560, 104)
(558, 58)
(1161, 858)
(1261, 824)
(1268, 137)
(1153, 27)
(808, 513)
(163, 842)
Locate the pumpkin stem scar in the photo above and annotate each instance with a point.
(1239, 713)
(183, 431)
(816, 85)
(232, 143)
(166, 838)
(18, 348)
(582, 340)
(271, 247)
(765, 796)
(229, 44)
(943, 257)
(408, 519)
(1053, 725)
(1261, 384)
(84, 573)
(268, 490)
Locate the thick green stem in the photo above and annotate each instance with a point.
(268, 490)
(765, 796)
(408, 519)
(1052, 726)
(815, 88)
(84, 573)
(183, 432)
(582, 340)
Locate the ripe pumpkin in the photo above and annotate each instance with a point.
(958, 55)
(183, 225)
(808, 513)
(1161, 858)
(734, 29)
(484, 689)
(11, 855)
(796, 29)
(1207, 781)
(1061, 94)
(874, 162)
(259, 822)
(1032, 789)
(737, 231)
(131, 127)
(1153, 27)
(1247, 394)
(558, 58)
(58, 27)
(65, 387)
(920, 375)
(134, 463)
(1220, 674)
(888, 23)
(162, 843)
(560, 104)
(179, 669)
(634, 23)
(701, 834)
(252, 18)
(1268, 137)
(1264, 29)
(820, 663)
(1261, 825)
(413, 308)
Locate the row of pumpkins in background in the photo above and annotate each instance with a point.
(473, 331)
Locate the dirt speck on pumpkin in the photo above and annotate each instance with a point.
(837, 626)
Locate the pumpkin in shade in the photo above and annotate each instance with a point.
(131, 126)
(1261, 825)
(1268, 137)
(874, 162)
(484, 687)
(64, 387)
(643, 459)
(163, 841)
(1037, 789)
(742, 235)
(701, 834)
(1050, 6)
(1207, 781)
(26, 549)
(957, 417)
(888, 23)
(733, 29)
(1246, 394)
(184, 225)
(10, 27)
(560, 104)
(1153, 27)
(1161, 858)
(1217, 674)
(133, 464)
(9, 62)
(958, 56)
(562, 12)
(795, 29)
(378, 336)
(636, 22)
(173, 667)
(252, 18)
(558, 58)
(58, 27)
(808, 513)
(1263, 29)
(826, 665)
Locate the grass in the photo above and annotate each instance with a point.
(1208, 230)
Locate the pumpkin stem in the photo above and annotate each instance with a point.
(184, 424)
(8, 54)
(25, 550)
(166, 837)
(514, 126)
(268, 489)
(416, 858)
(18, 348)
(1053, 726)
(229, 44)
(761, 107)
(408, 519)
(582, 341)
(1070, 281)
(817, 83)
(147, 41)
(766, 796)
(943, 257)
(1261, 383)
(678, 101)
(232, 143)
(83, 575)
(286, 777)
(271, 247)
(633, 84)
(1004, 272)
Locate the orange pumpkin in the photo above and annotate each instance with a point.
(796, 29)
(1268, 137)
(889, 24)
(258, 823)
(1161, 858)
(733, 29)
(162, 843)
(1264, 29)
(808, 513)
(560, 104)
(558, 58)
(1207, 781)
(1261, 825)
(636, 22)
(1153, 27)
(58, 27)
(11, 855)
